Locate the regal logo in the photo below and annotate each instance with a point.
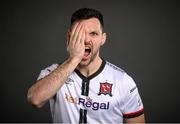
(105, 88)
(87, 103)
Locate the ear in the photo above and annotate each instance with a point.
(103, 39)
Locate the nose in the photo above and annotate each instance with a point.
(87, 39)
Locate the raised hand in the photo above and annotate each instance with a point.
(75, 42)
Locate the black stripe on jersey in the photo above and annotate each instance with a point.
(83, 116)
(85, 88)
(85, 92)
(133, 114)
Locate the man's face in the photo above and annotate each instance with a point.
(94, 38)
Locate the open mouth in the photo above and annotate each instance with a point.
(87, 51)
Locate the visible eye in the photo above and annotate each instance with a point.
(94, 34)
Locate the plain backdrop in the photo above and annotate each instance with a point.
(142, 39)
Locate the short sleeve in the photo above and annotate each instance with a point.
(47, 71)
(133, 105)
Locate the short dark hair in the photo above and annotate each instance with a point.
(86, 13)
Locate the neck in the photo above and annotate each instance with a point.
(91, 68)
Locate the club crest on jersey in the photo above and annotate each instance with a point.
(69, 81)
(105, 88)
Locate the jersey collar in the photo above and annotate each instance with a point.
(94, 74)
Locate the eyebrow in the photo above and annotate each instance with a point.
(97, 31)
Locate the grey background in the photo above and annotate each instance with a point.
(142, 39)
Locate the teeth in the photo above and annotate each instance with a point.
(88, 49)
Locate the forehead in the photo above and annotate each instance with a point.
(91, 24)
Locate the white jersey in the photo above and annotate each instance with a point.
(107, 96)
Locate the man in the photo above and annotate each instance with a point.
(85, 88)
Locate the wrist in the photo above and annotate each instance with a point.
(74, 60)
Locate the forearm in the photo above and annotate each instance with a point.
(46, 88)
(139, 119)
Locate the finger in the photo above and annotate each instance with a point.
(74, 27)
(77, 31)
(74, 36)
(72, 30)
(83, 37)
(79, 35)
(68, 37)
